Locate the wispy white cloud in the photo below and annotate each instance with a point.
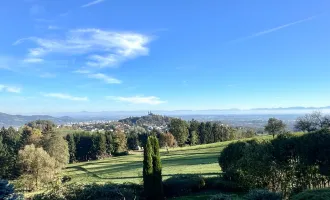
(82, 71)
(92, 3)
(101, 48)
(65, 96)
(52, 27)
(47, 75)
(151, 100)
(33, 60)
(105, 78)
(102, 61)
(11, 89)
(271, 30)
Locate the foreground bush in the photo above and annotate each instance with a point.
(181, 185)
(320, 194)
(87, 192)
(222, 197)
(219, 183)
(262, 195)
(7, 191)
(289, 163)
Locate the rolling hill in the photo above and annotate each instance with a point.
(7, 120)
(150, 119)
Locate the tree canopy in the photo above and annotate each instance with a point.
(275, 126)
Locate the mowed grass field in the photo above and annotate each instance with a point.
(201, 159)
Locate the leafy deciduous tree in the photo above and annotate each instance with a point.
(37, 166)
(275, 126)
(57, 147)
(179, 129)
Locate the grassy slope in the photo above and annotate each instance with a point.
(201, 159)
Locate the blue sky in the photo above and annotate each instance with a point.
(104, 55)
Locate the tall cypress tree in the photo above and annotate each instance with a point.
(148, 169)
(157, 169)
(152, 170)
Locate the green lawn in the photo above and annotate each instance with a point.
(201, 159)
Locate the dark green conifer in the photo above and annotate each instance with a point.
(152, 170)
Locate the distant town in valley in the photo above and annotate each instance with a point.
(103, 121)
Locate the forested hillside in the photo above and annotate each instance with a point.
(7, 120)
(150, 119)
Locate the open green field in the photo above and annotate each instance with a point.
(201, 159)
(188, 160)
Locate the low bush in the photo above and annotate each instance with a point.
(126, 191)
(219, 183)
(320, 194)
(7, 191)
(262, 195)
(222, 197)
(66, 179)
(183, 184)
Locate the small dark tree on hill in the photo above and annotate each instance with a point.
(99, 146)
(152, 170)
(275, 126)
(209, 138)
(202, 133)
(72, 147)
(193, 138)
(109, 142)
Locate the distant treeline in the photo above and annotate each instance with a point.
(195, 132)
(86, 146)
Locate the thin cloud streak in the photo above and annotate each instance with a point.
(104, 78)
(33, 60)
(273, 29)
(9, 89)
(65, 97)
(151, 100)
(81, 71)
(92, 3)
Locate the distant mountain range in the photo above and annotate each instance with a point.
(294, 108)
(124, 114)
(19, 120)
(7, 120)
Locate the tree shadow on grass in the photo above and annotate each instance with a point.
(95, 175)
(135, 165)
(197, 149)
